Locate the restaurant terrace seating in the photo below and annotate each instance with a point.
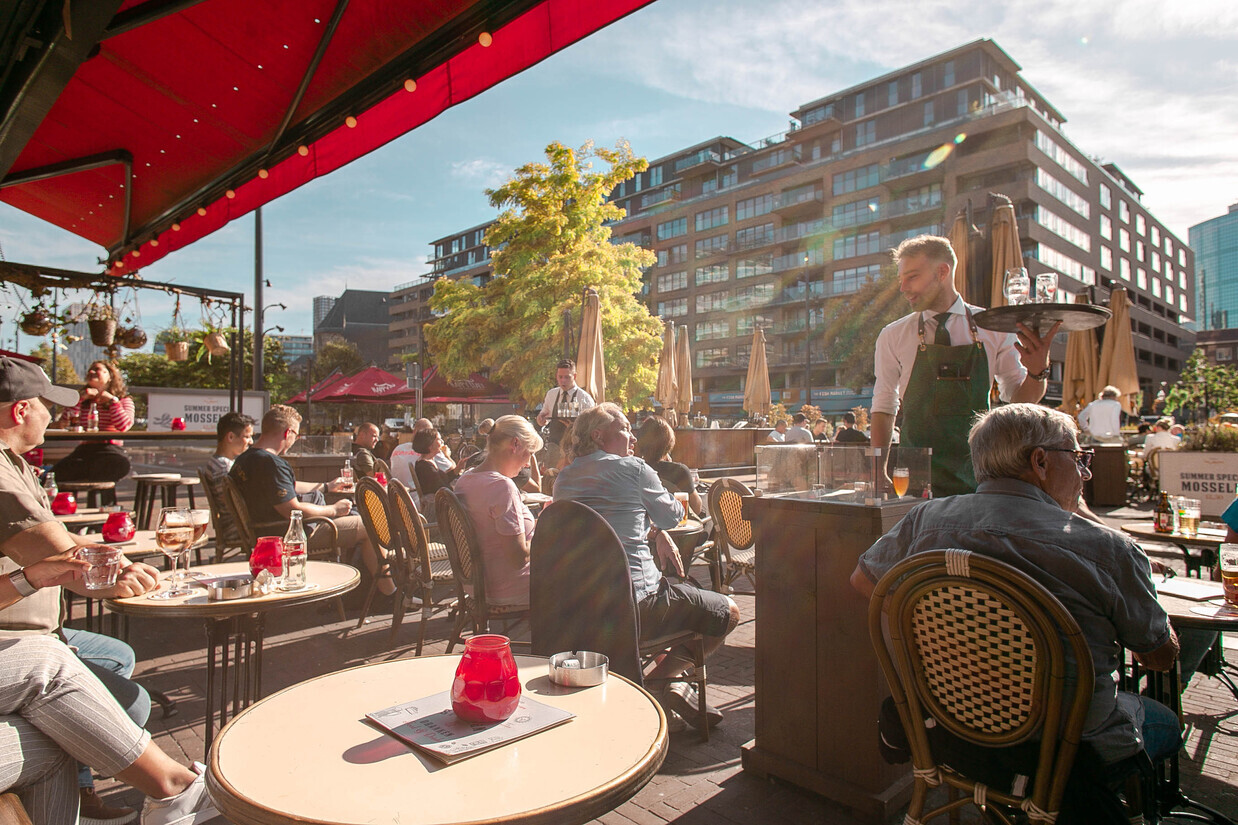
(380, 527)
(735, 542)
(980, 648)
(424, 563)
(469, 574)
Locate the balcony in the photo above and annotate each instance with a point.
(667, 195)
(777, 159)
(803, 229)
(804, 200)
(799, 260)
(644, 238)
(705, 157)
(745, 243)
(816, 121)
(908, 169)
(905, 207)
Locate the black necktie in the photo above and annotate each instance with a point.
(942, 336)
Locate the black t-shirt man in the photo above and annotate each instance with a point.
(265, 481)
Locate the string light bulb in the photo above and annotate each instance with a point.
(410, 85)
(230, 194)
(176, 227)
(350, 122)
(264, 174)
(202, 211)
(485, 39)
(302, 150)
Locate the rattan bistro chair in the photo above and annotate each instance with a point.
(379, 525)
(979, 648)
(425, 562)
(469, 573)
(734, 542)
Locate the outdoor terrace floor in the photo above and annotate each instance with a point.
(699, 782)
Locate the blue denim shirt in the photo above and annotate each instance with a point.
(626, 492)
(1102, 578)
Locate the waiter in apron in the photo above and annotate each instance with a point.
(938, 366)
(563, 403)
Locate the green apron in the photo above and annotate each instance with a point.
(948, 386)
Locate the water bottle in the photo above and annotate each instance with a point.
(346, 474)
(295, 544)
(49, 485)
(92, 419)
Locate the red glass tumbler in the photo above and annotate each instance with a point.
(64, 504)
(268, 555)
(118, 527)
(487, 685)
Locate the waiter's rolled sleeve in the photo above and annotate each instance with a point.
(888, 371)
(1008, 370)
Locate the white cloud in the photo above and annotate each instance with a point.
(481, 172)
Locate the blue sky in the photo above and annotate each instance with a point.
(1146, 84)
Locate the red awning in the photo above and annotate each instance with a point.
(319, 388)
(476, 389)
(196, 98)
(370, 386)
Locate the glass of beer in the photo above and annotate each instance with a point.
(682, 498)
(901, 477)
(1229, 573)
(1188, 516)
(173, 535)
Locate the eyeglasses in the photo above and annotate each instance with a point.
(1082, 457)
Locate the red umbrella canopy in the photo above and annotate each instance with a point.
(371, 385)
(316, 390)
(476, 388)
(144, 125)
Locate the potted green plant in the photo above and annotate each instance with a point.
(213, 341)
(38, 321)
(101, 318)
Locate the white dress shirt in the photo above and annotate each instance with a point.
(576, 394)
(1102, 419)
(899, 342)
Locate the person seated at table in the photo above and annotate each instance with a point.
(30, 533)
(848, 433)
(602, 473)
(272, 491)
(234, 433)
(443, 459)
(363, 442)
(798, 432)
(503, 524)
(55, 712)
(819, 433)
(778, 435)
(1101, 420)
(106, 393)
(430, 476)
(1026, 513)
(386, 443)
(654, 442)
(1161, 437)
(528, 479)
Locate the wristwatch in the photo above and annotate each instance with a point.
(1040, 376)
(21, 584)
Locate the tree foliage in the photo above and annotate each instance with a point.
(146, 369)
(1203, 388)
(66, 373)
(336, 353)
(551, 242)
(852, 326)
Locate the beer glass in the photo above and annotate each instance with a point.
(901, 477)
(1016, 287)
(1188, 516)
(1046, 287)
(1229, 573)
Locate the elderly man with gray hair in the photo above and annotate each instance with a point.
(1102, 419)
(1026, 512)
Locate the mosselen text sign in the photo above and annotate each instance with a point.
(1209, 477)
(200, 409)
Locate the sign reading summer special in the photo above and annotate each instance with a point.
(199, 409)
(1209, 477)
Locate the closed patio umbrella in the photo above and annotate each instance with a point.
(756, 388)
(683, 371)
(1117, 352)
(668, 384)
(1004, 240)
(960, 240)
(590, 364)
(1079, 384)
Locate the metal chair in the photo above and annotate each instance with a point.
(735, 544)
(425, 563)
(469, 573)
(980, 648)
(580, 594)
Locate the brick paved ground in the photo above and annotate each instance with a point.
(699, 782)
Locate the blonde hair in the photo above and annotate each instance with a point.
(579, 440)
(517, 427)
(280, 417)
(933, 247)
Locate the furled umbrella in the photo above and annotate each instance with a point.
(756, 387)
(960, 238)
(1004, 242)
(590, 364)
(668, 384)
(683, 371)
(1079, 384)
(1117, 352)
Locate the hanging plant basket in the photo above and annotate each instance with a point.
(102, 331)
(177, 350)
(37, 321)
(216, 343)
(131, 337)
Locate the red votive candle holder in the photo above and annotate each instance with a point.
(268, 555)
(64, 504)
(118, 527)
(487, 684)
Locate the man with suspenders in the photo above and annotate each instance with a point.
(563, 403)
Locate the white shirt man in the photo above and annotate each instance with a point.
(1161, 438)
(564, 393)
(1102, 419)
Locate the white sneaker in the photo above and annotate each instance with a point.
(189, 807)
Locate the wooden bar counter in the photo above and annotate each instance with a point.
(818, 684)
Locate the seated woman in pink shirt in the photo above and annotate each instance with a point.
(105, 392)
(504, 526)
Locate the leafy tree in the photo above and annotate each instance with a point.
(1203, 388)
(551, 243)
(145, 369)
(852, 326)
(66, 373)
(333, 353)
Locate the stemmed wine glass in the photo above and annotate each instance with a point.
(201, 519)
(1016, 287)
(173, 536)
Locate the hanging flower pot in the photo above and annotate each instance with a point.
(37, 321)
(177, 350)
(102, 331)
(131, 337)
(216, 343)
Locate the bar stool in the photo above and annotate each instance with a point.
(144, 497)
(97, 492)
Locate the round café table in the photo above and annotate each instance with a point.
(306, 754)
(236, 626)
(1208, 540)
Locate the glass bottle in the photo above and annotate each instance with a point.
(295, 544)
(92, 419)
(49, 486)
(1164, 515)
(486, 688)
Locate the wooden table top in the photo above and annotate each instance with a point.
(84, 515)
(142, 543)
(307, 755)
(331, 578)
(1210, 613)
(1211, 537)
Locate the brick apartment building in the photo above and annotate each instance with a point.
(770, 233)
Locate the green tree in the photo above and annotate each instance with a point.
(146, 369)
(551, 242)
(66, 373)
(333, 353)
(852, 326)
(1202, 388)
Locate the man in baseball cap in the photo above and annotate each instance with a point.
(22, 380)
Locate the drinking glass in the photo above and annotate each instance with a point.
(104, 564)
(1188, 516)
(1046, 287)
(1229, 573)
(173, 535)
(201, 520)
(1016, 286)
(682, 498)
(901, 477)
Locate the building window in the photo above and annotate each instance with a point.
(754, 207)
(711, 246)
(1141, 278)
(729, 176)
(865, 243)
(948, 74)
(756, 265)
(711, 302)
(711, 357)
(892, 93)
(707, 330)
(1169, 247)
(1156, 262)
(673, 255)
(1181, 256)
(754, 236)
(1182, 302)
(1063, 228)
(1106, 228)
(757, 295)
(1141, 226)
(1106, 196)
(856, 179)
(916, 86)
(672, 229)
(712, 217)
(855, 213)
(672, 281)
(1181, 276)
(1124, 240)
(715, 274)
(1224, 354)
(1169, 294)
(1140, 251)
(745, 324)
(674, 308)
(1124, 269)
(709, 185)
(1062, 192)
(1124, 211)
(846, 281)
(865, 133)
(1061, 157)
(1156, 236)
(1049, 256)
(1156, 286)
(962, 101)
(1106, 259)
(859, 105)
(928, 113)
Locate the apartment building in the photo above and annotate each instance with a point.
(770, 233)
(1215, 243)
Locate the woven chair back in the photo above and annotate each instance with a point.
(416, 544)
(383, 467)
(461, 540)
(235, 502)
(373, 503)
(226, 534)
(725, 502)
